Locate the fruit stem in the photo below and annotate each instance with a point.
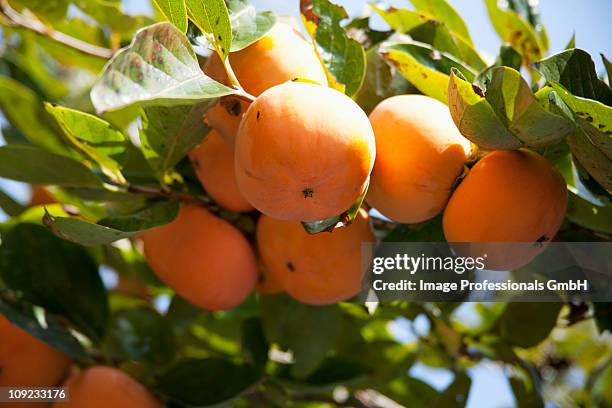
(230, 73)
(243, 95)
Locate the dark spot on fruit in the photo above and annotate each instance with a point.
(219, 37)
(290, 266)
(589, 119)
(232, 106)
(307, 192)
(258, 115)
(601, 126)
(196, 164)
(217, 21)
(223, 50)
(541, 241)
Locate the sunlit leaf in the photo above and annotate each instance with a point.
(248, 24)
(94, 137)
(212, 18)
(426, 68)
(507, 116)
(515, 30)
(175, 11)
(343, 57)
(427, 29)
(159, 68)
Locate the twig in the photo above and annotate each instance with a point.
(19, 20)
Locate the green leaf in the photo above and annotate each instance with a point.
(608, 66)
(456, 394)
(24, 110)
(290, 324)
(602, 312)
(159, 68)
(111, 229)
(254, 344)
(508, 57)
(343, 57)
(248, 24)
(596, 163)
(410, 391)
(339, 221)
(175, 11)
(429, 231)
(575, 71)
(140, 334)
(51, 332)
(9, 205)
(208, 382)
(169, 133)
(57, 275)
(476, 119)
(212, 18)
(591, 142)
(427, 29)
(32, 165)
(571, 43)
(526, 324)
(332, 372)
(425, 68)
(50, 10)
(508, 116)
(380, 83)
(592, 216)
(515, 30)
(441, 10)
(359, 28)
(94, 137)
(514, 102)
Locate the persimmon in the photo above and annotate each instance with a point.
(303, 152)
(280, 56)
(268, 283)
(26, 361)
(509, 196)
(419, 155)
(203, 258)
(41, 196)
(213, 161)
(315, 269)
(104, 387)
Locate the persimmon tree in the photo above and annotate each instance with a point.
(107, 115)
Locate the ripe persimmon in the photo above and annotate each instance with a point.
(509, 196)
(213, 161)
(104, 387)
(419, 155)
(315, 269)
(303, 152)
(280, 56)
(203, 258)
(26, 361)
(41, 196)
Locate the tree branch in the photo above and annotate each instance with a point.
(16, 19)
